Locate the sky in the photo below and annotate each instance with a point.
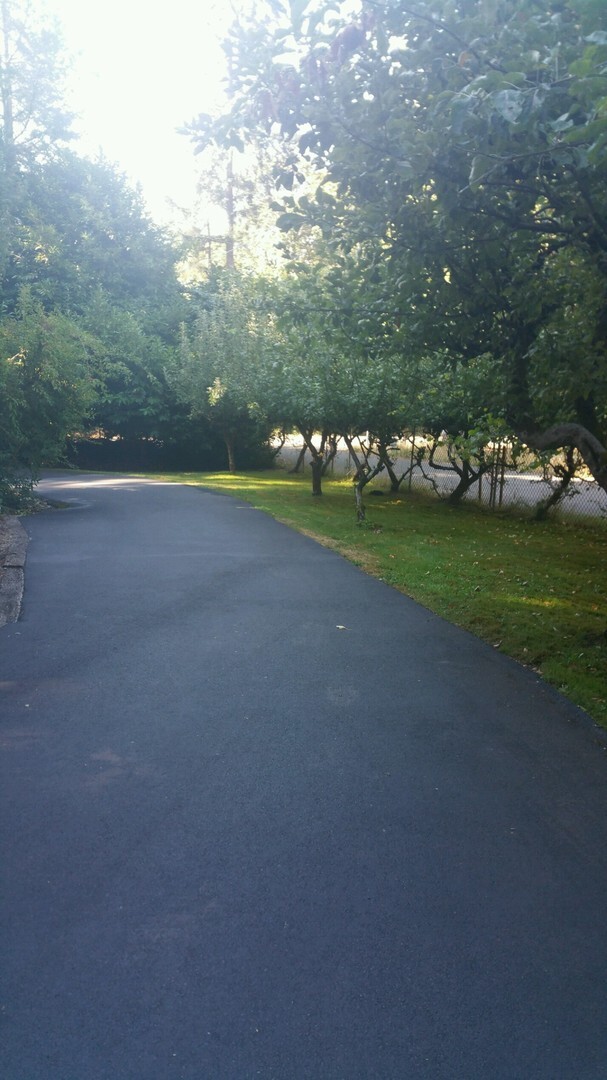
(141, 70)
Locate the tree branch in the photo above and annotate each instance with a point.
(592, 450)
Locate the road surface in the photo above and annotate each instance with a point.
(264, 816)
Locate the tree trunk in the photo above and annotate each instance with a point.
(317, 458)
(330, 456)
(275, 450)
(384, 457)
(361, 513)
(300, 459)
(230, 212)
(8, 136)
(567, 473)
(316, 466)
(364, 474)
(467, 477)
(229, 441)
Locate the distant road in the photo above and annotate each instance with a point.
(262, 816)
(520, 489)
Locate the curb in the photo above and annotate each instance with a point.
(12, 563)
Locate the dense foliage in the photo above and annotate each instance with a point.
(444, 205)
(415, 201)
(90, 302)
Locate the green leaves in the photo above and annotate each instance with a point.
(90, 298)
(291, 221)
(509, 104)
(47, 367)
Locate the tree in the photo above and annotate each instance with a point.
(47, 376)
(338, 372)
(81, 227)
(32, 70)
(468, 142)
(81, 260)
(215, 370)
(33, 119)
(232, 224)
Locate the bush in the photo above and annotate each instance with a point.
(15, 492)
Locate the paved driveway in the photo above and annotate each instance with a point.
(265, 817)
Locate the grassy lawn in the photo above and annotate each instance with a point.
(536, 591)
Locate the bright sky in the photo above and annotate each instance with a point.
(142, 70)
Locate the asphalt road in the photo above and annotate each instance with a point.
(265, 817)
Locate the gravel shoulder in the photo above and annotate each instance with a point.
(13, 548)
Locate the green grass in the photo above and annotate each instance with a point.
(534, 590)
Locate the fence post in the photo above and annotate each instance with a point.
(411, 458)
(502, 474)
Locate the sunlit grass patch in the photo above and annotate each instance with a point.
(535, 590)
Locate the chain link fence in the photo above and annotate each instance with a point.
(556, 485)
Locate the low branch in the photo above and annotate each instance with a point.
(592, 450)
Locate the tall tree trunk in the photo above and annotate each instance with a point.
(231, 449)
(231, 213)
(330, 455)
(6, 86)
(230, 205)
(316, 465)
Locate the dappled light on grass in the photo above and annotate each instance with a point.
(231, 481)
(536, 591)
(537, 602)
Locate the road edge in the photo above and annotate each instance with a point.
(12, 568)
